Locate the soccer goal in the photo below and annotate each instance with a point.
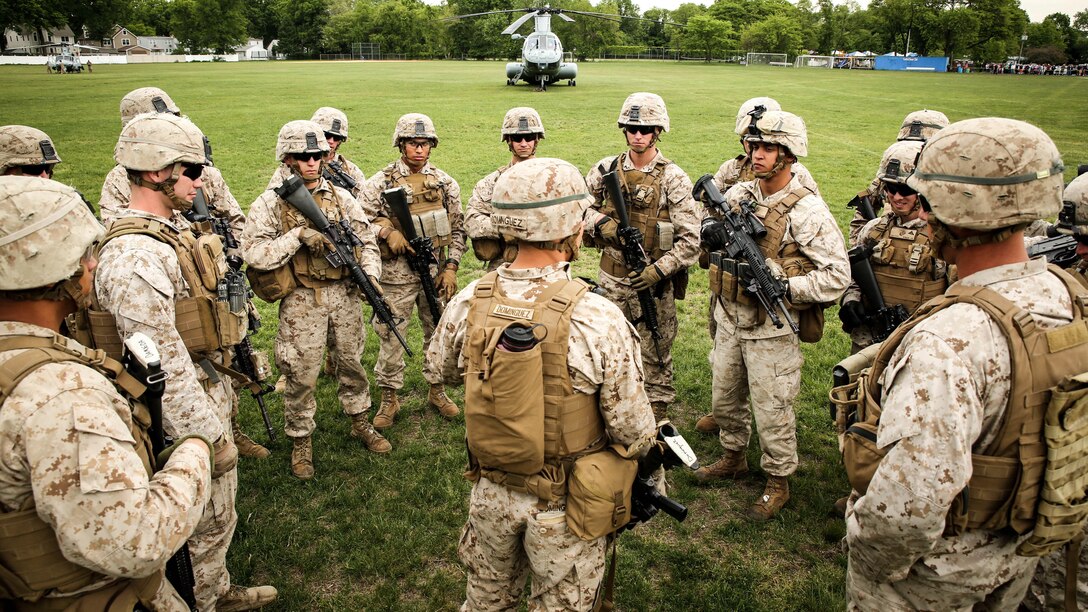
(813, 61)
(767, 59)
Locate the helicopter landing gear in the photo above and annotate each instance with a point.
(509, 82)
(572, 83)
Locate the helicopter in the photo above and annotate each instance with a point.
(66, 60)
(542, 52)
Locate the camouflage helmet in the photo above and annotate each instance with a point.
(154, 141)
(782, 128)
(21, 145)
(743, 117)
(414, 125)
(539, 200)
(1073, 219)
(522, 120)
(45, 228)
(922, 125)
(989, 173)
(332, 120)
(300, 136)
(642, 108)
(146, 100)
(898, 161)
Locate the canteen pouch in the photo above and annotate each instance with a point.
(599, 493)
(860, 455)
(504, 404)
(271, 285)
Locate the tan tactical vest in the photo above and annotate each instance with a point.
(903, 264)
(514, 438)
(203, 320)
(31, 562)
(747, 173)
(426, 202)
(1007, 479)
(315, 272)
(647, 209)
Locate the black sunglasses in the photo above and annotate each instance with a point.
(521, 137)
(336, 137)
(640, 129)
(898, 189)
(37, 169)
(307, 156)
(192, 171)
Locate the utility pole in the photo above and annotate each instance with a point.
(1020, 56)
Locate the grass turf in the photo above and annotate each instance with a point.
(381, 533)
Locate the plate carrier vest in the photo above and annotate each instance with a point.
(903, 264)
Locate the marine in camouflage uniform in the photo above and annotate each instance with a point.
(946, 388)
(917, 126)
(26, 151)
(1047, 590)
(511, 533)
(324, 300)
(907, 271)
(658, 198)
(752, 359)
(139, 282)
(522, 130)
(117, 193)
(75, 463)
(731, 172)
(436, 197)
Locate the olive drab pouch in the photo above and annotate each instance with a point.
(271, 285)
(599, 492)
(810, 323)
(1063, 501)
(504, 404)
(666, 235)
(434, 224)
(211, 263)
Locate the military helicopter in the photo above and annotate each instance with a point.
(542, 52)
(66, 60)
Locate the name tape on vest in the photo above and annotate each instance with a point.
(512, 312)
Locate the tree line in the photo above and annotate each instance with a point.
(980, 30)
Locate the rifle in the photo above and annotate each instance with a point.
(863, 202)
(741, 228)
(344, 239)
(141, 360)
(1060, 250)
(334, 172)
(424, 257)
(883, 319)
(235, 290)
(634, 256)
(671, 451)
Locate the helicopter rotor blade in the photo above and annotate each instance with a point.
(513, 27)
(620, 18)
(522, 10)
(564, 17)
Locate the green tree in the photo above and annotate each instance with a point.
(774, 34)
(262, 20)
(29, 15)
(215, 25)
(588, 36)
(706, 34)
(480, 37)
(301, 23)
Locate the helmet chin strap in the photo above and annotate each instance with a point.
(166, 187)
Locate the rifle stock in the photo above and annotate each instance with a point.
(424, 257)
(863, 202)
(344, 239)
(334, 172)
(883, 319)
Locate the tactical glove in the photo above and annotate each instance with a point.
(315, 241)
(712, 234)
(226, 456)
(397, 243)
(446, 283)
(606, 231)
(164, 455)
(649, 277)
(852, 315)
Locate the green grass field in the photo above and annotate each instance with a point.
(380, 533)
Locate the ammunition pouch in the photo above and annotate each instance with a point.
(271, 285)
(599, 492)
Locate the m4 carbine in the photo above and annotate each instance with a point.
(344, 240)
(423, 257)
(1058, 250)
(736, 233)
(634, 256)
(334, 172)
(670, 451)
(880, 318)
(863, 202)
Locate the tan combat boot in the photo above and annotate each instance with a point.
(362, 429)
(388, 409)
(775, 495)
(437, 398)
(246, 446)
(706, 424)
(302, 458)
(733, 464)
(239, 598)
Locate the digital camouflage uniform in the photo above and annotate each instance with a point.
(138, 281)
(117, 194)
(754, 360)
(898, 557)
(307, 316)
(400, 285)
(739, 169)
(675, 194)
(478, 214)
